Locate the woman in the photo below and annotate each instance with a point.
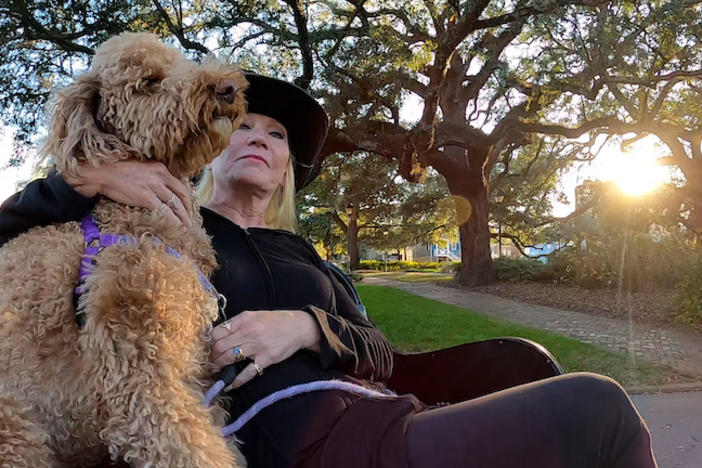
(291, 322)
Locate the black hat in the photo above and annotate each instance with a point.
(304, 119)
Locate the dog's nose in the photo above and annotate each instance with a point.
(226, 90)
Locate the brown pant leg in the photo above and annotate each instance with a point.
(571, 421)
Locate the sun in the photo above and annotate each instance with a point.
(634, 171)
(639, 177)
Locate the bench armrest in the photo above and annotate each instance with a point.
(471, 370)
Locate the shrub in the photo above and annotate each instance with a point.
(356, 277)
(558, 269)
(636, 260)
(590, 267)
(688, 298)
(396, 265)
(517, 269)
(419, 266)
(450, 267)
(369, 264)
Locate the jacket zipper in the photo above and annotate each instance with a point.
(266, 267)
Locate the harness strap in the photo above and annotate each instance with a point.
(91, 233)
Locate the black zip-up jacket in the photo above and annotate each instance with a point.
(259, 269)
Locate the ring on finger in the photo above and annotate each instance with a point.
(171, 201)
(259, 369)
(228, 326)
(238, 354)
(162, 208)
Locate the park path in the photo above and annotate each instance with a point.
(679, 350)
(675, 421)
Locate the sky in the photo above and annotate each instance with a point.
(635, 171)
(11, 176)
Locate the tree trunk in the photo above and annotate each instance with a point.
(472, 209)
(351, 230)
(352, 237)
(329, 244)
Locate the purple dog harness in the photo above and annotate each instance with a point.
(95, 242)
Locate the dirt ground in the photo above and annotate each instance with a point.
(653, 308)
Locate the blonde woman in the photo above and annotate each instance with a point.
(290, 323)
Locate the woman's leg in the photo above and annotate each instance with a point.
(571, 421)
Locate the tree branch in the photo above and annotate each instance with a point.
(178, 31)
(340, 222)
(35, 30)
(303, 40)
(624, 101)
(521, 246)
(584, 208)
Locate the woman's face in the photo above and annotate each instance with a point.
(257, 155)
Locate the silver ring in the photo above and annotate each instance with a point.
(238, 353)
(227, 325)
(171, 201)
(162, 209)
(259, 369)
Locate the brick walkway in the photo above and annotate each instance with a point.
(679, 350)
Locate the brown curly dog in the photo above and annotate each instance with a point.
(128, 385)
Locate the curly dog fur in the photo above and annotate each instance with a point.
(128, 387)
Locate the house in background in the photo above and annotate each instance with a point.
(369, 253)
(435, 253)
(416, 253)
(506, 250)
(450, 252)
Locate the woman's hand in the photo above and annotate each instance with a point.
(265, 336)
(142, 184)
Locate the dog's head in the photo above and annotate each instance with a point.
(143, 99)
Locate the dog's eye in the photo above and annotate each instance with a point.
(152, 79)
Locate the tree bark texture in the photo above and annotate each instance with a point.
(352, 237)
(472, 209)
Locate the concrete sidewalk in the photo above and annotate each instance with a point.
(681, 351)
(675, 421)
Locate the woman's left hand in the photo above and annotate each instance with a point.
(265, 336)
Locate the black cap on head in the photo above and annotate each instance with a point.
(304, 119)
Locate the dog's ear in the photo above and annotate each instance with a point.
(74, 135)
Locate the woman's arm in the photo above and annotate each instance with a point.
(341, 336)
(347, 340)
(350, 341)
(55, 200)
(136, 183)
(42, 202)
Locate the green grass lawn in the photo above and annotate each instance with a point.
(414, 323)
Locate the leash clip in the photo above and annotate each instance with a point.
(222, 304)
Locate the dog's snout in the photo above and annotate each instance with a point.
(226, 90)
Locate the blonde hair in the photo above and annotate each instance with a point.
(280, 213)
